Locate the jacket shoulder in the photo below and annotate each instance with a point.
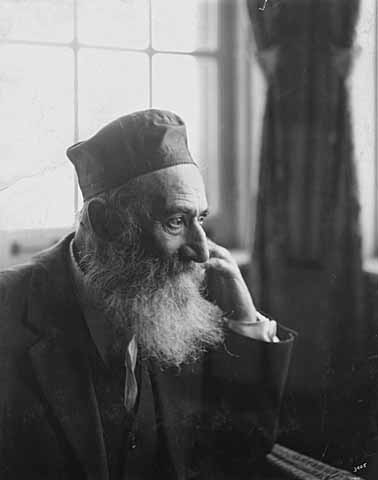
(14, 337)
(14, 288)
(14, 297)
(16, 283)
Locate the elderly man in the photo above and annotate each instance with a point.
(132, 349)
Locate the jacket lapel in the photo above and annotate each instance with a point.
(60, 359)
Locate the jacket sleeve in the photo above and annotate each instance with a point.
(244, 384)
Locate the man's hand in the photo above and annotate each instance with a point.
(227, 288)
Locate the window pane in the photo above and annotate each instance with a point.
(185, 26)
(111, 84)
(36, 20)
(43, 201)
(122, 23)
(189, 86)
(362, 83)
(36, 121)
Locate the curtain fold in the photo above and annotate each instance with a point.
(306, 268)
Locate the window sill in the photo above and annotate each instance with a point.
(242, 256)
(371, 266)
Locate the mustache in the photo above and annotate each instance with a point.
(122, 267)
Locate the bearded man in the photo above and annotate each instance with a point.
(132, 349)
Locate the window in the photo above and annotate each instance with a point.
(70, 66)
(363, 90)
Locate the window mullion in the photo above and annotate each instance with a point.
(150, 54)
(76, 98)
(375, 209)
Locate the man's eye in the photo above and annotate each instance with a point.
(201, 219)
(175, 223)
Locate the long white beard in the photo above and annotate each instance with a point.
(174, 324)
(160, 301)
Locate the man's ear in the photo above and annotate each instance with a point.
(105, 223)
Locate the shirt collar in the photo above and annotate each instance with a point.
(102, 335)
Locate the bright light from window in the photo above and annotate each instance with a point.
(188, 86)
(362, 84)
(185, 26)
(70, 66)
(111, 84)
(116, 23)
(36, 104)
(36, 20)
(41, 201)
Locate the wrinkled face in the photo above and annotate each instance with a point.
(177, 203)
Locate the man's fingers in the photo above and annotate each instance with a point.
(217, 263)
(221, 265)
(218, 251)
(227, 262)
(225, 284)
(261, 317)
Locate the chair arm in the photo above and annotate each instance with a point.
(297, 466)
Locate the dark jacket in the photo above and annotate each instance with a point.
(214, 419)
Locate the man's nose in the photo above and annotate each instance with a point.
(196, 247)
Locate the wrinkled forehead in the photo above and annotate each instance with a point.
(175, 187)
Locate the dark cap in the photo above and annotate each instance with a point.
(128, 147)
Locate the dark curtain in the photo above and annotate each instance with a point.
(306, 270)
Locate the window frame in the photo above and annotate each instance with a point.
(363, 87)
(375, 208)
(229, 226)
